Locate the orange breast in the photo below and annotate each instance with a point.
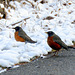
(18, 38)
(53, 44)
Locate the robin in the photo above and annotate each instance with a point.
(55, 42)
(21, 36)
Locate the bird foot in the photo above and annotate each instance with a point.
(54, 55)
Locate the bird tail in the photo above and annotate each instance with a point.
(71, 47)
(31, 41)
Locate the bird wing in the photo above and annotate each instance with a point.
(24, 36)
(58, 40)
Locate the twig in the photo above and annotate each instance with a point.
(30, 3)
(20, 21)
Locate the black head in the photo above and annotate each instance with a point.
(17, 28)
(50, 33)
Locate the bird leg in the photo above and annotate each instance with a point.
(55, 53)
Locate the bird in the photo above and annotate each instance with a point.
(21, 36)
(55, 42)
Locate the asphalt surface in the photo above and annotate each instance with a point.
(64, 64)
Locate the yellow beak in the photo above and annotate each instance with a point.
(46, 32)
(13, 28)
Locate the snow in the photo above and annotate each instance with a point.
(13, 52)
